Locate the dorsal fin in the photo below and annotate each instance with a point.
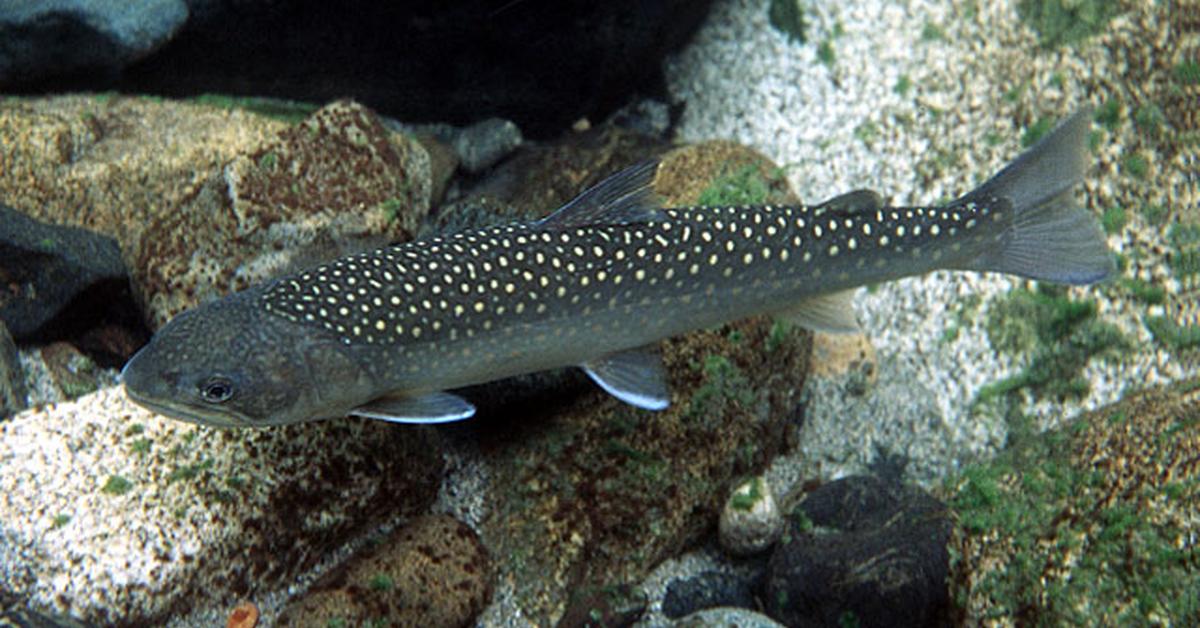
(854, 201)
(627, 196)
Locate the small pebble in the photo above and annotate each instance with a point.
(751, 521)
(244, 615)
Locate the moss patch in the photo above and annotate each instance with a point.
(1059, 22)
(743, 185)
(1059, 335)
(290, 111)
(787, 16)
(1086, 525)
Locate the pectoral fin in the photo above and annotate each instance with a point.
(833, 313)
(438, 407)
(634, 376)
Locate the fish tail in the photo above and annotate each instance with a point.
(1044, 234)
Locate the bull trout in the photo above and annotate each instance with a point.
(596, 284)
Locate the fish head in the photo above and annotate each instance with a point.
(231, 363)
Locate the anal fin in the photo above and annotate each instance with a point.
(634, 376)
(437, 407)
(833, 313)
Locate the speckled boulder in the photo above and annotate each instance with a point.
(115, 515)
(431, 573)
(337, 176)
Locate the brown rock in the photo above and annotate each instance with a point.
(73, 373)
(338, 175)
(433, 572)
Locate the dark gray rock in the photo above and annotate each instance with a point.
(610, 606)
(478, 146)
(645, 116)
(862, 550)
(13, 396)
(706, 590)
(482, 144)
(43, 267)
(51, 38)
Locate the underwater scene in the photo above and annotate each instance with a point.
(522, 313)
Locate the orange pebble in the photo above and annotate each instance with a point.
(244, 615)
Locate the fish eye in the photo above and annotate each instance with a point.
(216, 390)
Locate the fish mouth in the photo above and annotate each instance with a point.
(184, 413)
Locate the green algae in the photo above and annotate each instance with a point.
(1135, 165)
(1070, 527)
(1108, 114)
(116, 485)
(787, 16)
(1113, 219)
(1036, 130)
(825, 52)
(1060, 22)
(290, 111)
(1059, 335)
(744, 186)
(1173, 335)
(932, 32)
(745, 501)
(381, 582)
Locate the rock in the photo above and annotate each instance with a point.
(113, 164)
(116, 515)
(433, 572)
(541, 66)
(244, 615)
(647, 117)
(338, 176)
(877, 557)
(13, 395)
(1094, 522)
(476, 147)
(706, 590)
(29, 618)
(484, 143)
(751, 521)
(619, 605)
(443, 162)
(726, 618)
(45, 266)
(80, 37)
(73, 373)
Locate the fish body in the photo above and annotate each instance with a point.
(383, 334)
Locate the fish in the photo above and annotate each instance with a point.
(390, 333)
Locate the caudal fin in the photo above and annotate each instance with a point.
(1046, 235)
